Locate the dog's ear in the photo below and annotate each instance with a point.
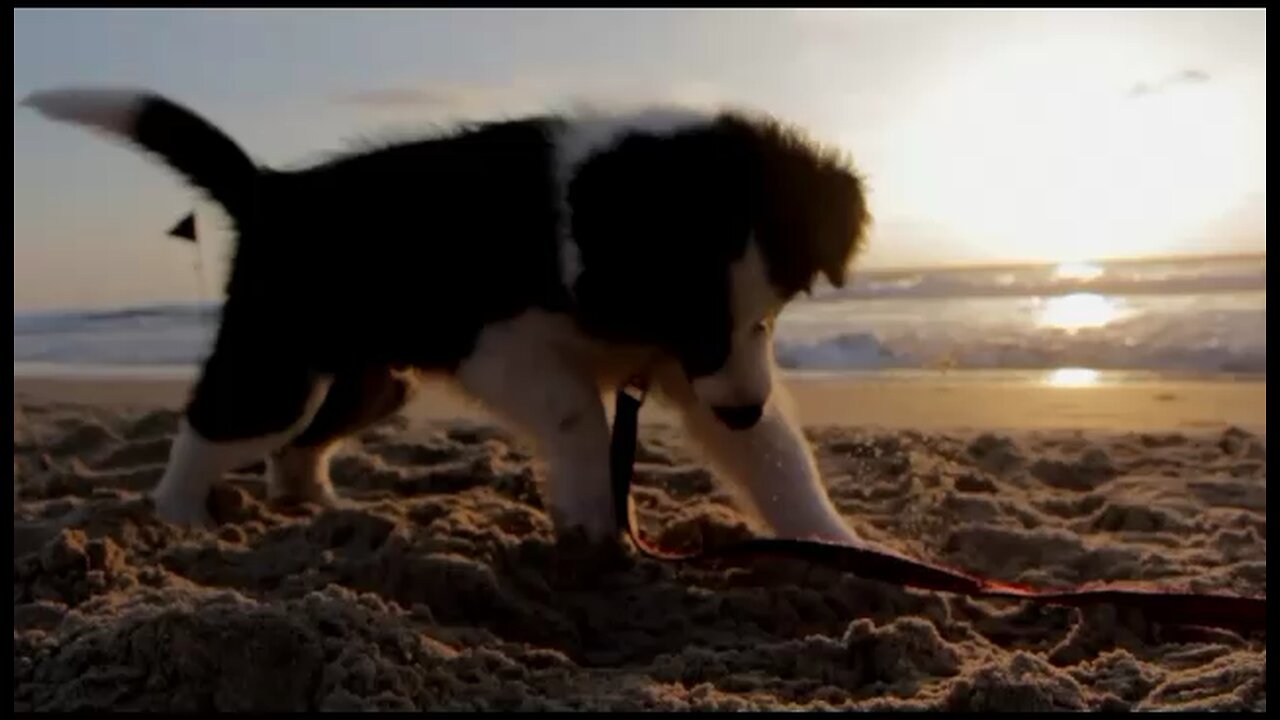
(844, 226)
(835, 275)
(811, 193)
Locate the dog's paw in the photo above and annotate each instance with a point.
(182, 510)
(580, 562)
(321, 495)
(592, 525)
(838, 533)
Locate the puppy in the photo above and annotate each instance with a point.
(536, 262)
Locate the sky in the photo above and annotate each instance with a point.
(984, 136)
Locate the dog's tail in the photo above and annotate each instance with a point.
(188, 143)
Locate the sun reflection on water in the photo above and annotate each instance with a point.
(1071, 377)
(1078, 311)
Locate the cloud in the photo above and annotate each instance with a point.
(1189, 76)
(531, 93)
(397, 97)
(451, 100)
(430, 97)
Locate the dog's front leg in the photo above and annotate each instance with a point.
(544, 393)
(769, 464)
(576, 442)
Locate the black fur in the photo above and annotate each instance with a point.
(398, 256)
(355, 400)
(402, 255)
(660, 219)
(198, 150)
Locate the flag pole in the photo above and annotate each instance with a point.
(200, 276)
(185, 229)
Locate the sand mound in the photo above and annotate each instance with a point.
(438, 584)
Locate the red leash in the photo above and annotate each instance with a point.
(1165, 605)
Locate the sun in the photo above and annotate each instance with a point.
(1049, 154)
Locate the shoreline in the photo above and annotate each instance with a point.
(925, 400)
(36, 370)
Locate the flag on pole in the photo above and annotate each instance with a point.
(186, 228)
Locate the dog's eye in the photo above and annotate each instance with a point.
(762, 326)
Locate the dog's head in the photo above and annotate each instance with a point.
(705, 234)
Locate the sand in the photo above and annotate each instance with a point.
(438, 586)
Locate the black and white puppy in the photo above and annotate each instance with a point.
(536, 262)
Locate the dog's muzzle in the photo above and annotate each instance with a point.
(739, 417)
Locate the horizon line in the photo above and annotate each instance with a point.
(1132, 260)
(1010, 264)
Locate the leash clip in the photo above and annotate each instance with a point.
(637, 387)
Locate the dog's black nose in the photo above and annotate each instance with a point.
(739, 417)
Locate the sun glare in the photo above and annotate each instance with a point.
(1072, 377)
(1050, 154)
(1078, 311)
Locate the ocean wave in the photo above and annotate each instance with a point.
(864, 351)
(189, 344)
(1164, 279)
(43, 323)
(1176, 316)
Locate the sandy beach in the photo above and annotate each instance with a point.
(437, 585)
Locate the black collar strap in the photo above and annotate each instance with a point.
(1166, 605)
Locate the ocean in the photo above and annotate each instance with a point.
(1204, 317)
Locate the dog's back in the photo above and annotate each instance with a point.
(403, 253)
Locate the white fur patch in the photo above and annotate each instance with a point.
(747, 375)
(196, 463)
(590, 133)
(113, 110)
(537, 372)
(769, 466)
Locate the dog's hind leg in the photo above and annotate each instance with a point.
(241, 410)
(299, 471)
(769, 465)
